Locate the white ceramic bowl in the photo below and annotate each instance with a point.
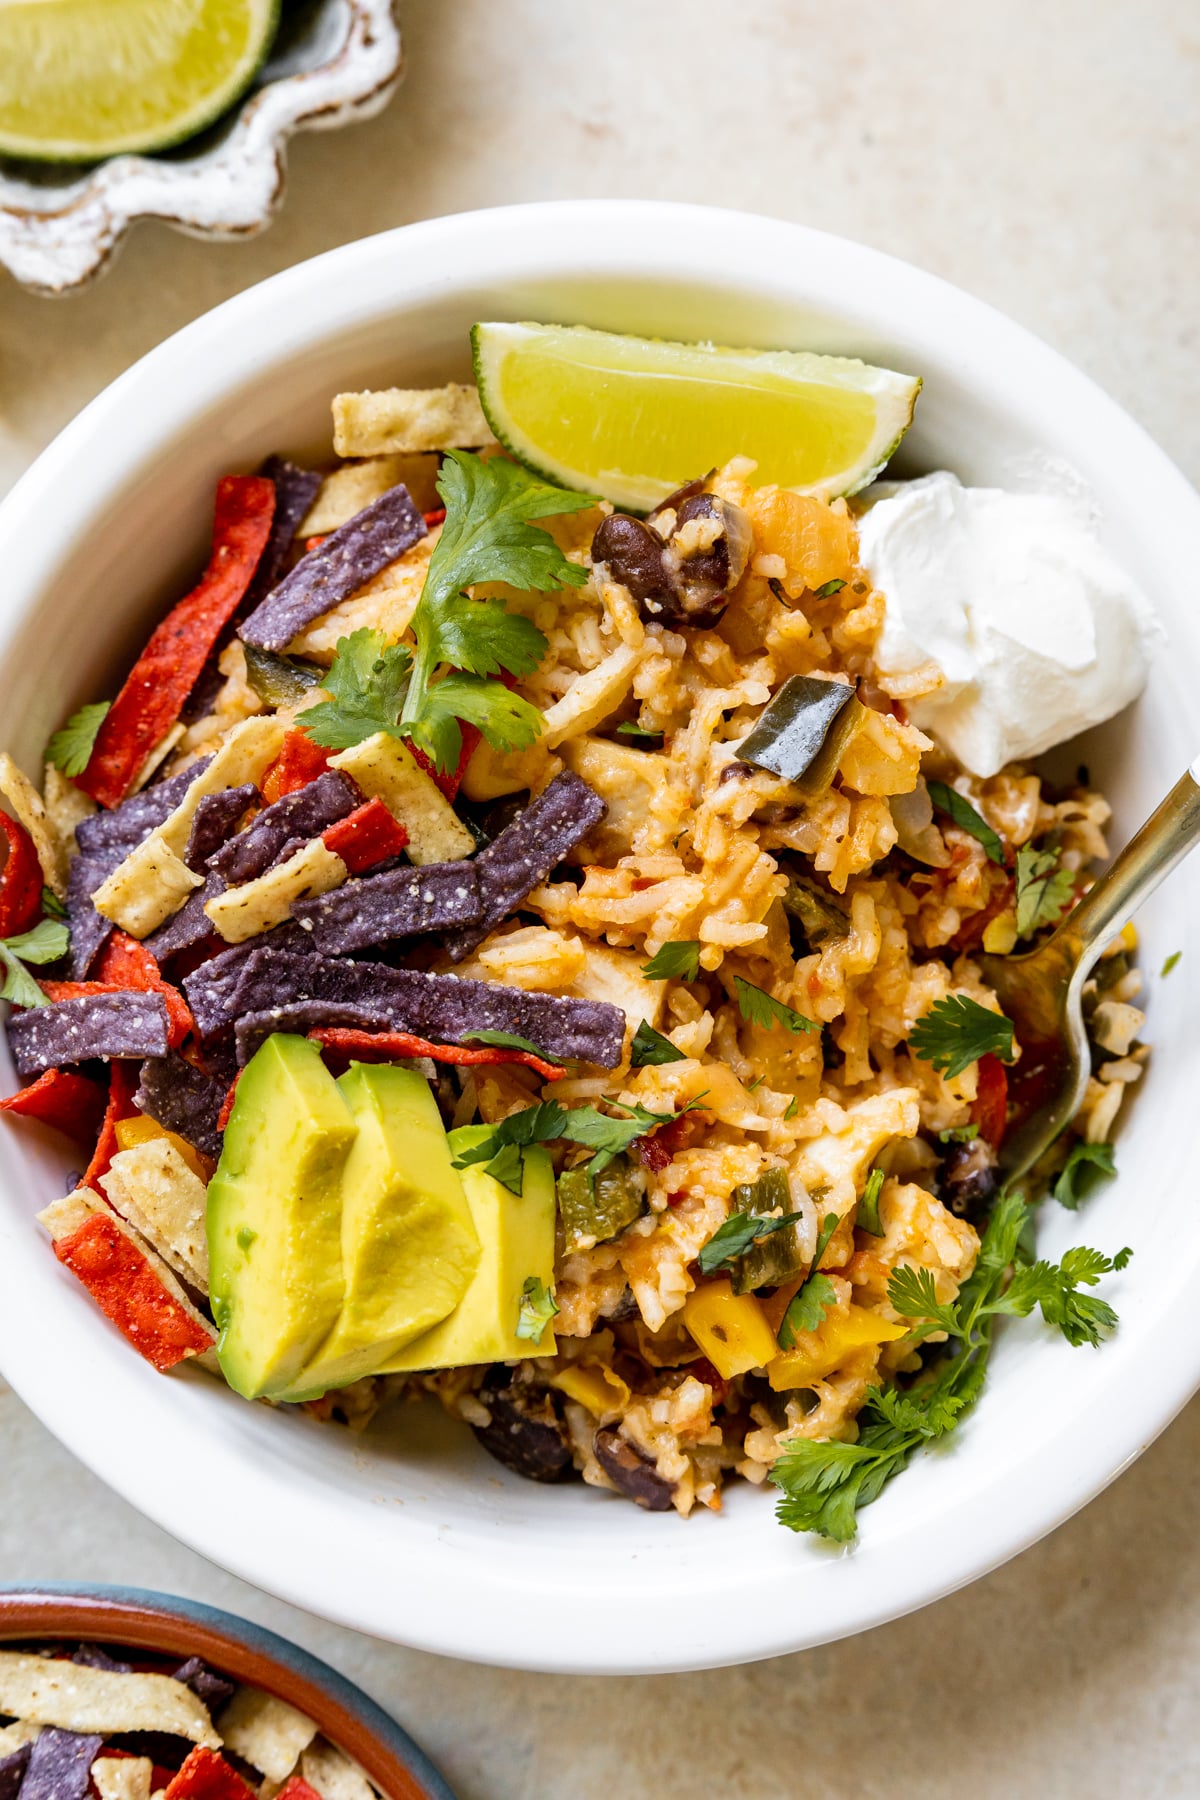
(415, 1535)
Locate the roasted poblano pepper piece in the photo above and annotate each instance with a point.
(821, 918)
(777, 1258)
(280, 680)
(803, 731)
(596, 1207)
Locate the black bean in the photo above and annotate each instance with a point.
(633, 555)
(630, 1473)
(526, 1432)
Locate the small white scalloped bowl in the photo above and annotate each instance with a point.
(413, 1534)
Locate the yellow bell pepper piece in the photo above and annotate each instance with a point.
(594, 1386)
(730, 1328)
(839, 1335)
(143, 1130)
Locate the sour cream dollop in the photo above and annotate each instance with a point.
(1036, 631)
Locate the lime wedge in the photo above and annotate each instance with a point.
(633, 418)
(83, 79)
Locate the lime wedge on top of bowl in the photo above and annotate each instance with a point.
(84, 79)
(632, 418)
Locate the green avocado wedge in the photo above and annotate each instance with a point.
(409, 1248)
(275, 1217)
(516, 1236)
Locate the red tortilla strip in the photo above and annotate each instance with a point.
(368, 835)
(296, 1788)
(21, 881)
(388, 1046)
(436, 517)
(122, 1082)
(127, 964)
(127, 1289)
(164, 675)
(298, 763)
(449, 780)
(69, 1102)
(207, 1776)
(227, 1102)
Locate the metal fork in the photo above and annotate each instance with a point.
(1042, 992)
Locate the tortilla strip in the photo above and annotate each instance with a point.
(98, 1700)
(387, 420)
(268, 1732)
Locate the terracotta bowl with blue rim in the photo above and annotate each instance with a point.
(141, 1620)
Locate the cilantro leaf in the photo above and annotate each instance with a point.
(368, 681)
(509, 1040)
(507, 721)
(800, 1311)
(677, 960)
(957, 1031)
(1170, 962)
(964, 815)
(1067, 1189)
(761, 1008)
(1045, 891)
(70, 749)
(641, 734)
(487, 536)
(508, 1168)
(651, 1047)
(829, 588)
(52, 905)
(1055, 1289)
(44, 944)
(538, 1306)
(548, 1121)
(867, 1218)
(958, 1134)
(735, 1237)
(913, 1292)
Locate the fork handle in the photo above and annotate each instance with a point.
(1170, 832)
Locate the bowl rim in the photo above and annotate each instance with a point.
(458, 1603)
(144, 1619)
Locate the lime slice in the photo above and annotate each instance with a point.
(83, 79)
(633, 418)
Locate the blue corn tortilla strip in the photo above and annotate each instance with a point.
(105, 840)
(215, 820)
(59, 1764)
(302, 1016)
(517, 861)
(348, 558)
(445, 1009)
(183, 1098)
(211, 1688)
(12, 1771)
(298, 816)
(91, 1656)
(131, 1023)
(401, 902)
(189, 926)
(209, 988)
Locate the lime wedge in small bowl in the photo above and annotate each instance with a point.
(85, 79)
(632, 418)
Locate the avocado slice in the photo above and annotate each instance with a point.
(516, 1235)
(409, 1248)
(274, 1217)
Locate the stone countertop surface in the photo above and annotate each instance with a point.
(1044, 157)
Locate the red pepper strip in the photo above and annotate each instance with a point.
(387, 1046)
(21, 881)
(121, 1087)
(227, 1102)
(127, 1289)
(436, 517)
(450, 780)
(368, 835)
(207, 1776)
(69, 1102)
(127, 964)
(165, 673)
(989, 1109)
(299, 762)
(296, 1788)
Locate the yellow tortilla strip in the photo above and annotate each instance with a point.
(28, 808)
(123, 1777)
(255, 906)
(344, 493)
(269, 1733)
(387, 420)
(86, 1700)
(383, 768)
(152, 1188)
(66, 806)
(335, 1775)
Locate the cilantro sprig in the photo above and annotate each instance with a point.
(957, 1031)
(368, 681)
(548, 1121)
(1045, 890)
(678, 960)
(70, 749)
(761, 1008)
(1072, 1183)
(537, 1307)
(737, 1235)
(815, 1296)
(957, 807)
(823, 1486)
(44, 944)
(650, 1048)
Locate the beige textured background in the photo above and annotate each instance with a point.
(1042, 153)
